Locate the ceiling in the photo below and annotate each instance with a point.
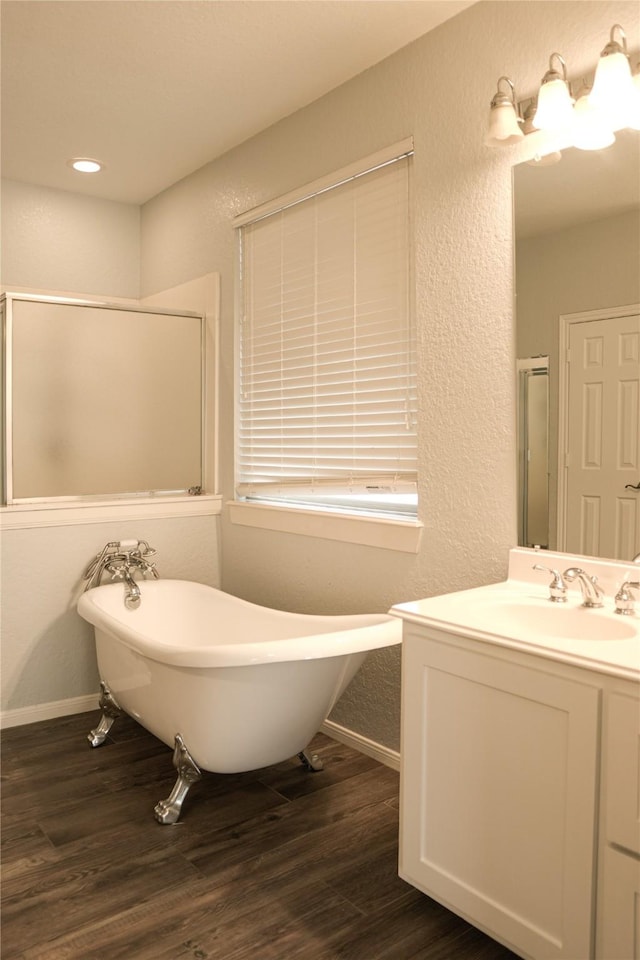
(157, 88)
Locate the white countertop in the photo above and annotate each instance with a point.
(517, 613)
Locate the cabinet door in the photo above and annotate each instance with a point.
(621, 780)
(499, 792)
(619, 917)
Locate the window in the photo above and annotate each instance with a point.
(327, 405)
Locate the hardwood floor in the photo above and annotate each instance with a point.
(278, 864)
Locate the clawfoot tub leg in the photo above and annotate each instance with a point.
(312, 762)
(168, 811)
(110, 712)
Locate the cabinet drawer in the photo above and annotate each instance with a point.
(622, 770)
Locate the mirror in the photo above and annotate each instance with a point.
(577, 282)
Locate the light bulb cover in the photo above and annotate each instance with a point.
(590, 128)
(633, 119)
(555, 104)
(613, 87)
(504, 123)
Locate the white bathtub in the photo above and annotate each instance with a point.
(242, 686)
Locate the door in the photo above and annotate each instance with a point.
(602, 464)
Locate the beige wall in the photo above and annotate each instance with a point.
(437, 90)
(48, 652)
(56, 240)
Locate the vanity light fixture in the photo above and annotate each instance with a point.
(85, 165)
(634, 120)
(590, 128)
(589, 121)
(504, 123)
(613, 88)
(542, 157)
(555, 103)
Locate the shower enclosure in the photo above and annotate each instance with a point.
(101, 400)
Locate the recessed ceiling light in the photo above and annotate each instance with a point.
(85, 165)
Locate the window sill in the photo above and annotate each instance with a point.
(386, 533)
(21, 516)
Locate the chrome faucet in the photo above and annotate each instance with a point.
(592, 594)
(624, 599)
(121, 559)
(557, 587)
(121, 570)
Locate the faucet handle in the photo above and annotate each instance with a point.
(557, 587)
(624, 598)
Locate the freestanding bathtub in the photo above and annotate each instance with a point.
(231, 685)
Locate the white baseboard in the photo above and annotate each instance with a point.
(64, 708)
(385, 755)
(48, 711)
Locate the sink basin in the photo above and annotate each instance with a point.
(517, 613)
(556, 620)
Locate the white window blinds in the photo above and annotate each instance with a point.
(327, 349)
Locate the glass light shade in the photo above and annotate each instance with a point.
(613, 84)
(555, 106)
(634, 112)
(590, 130)
(503, 126)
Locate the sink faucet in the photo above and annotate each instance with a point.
(624, 598)
(592, 594)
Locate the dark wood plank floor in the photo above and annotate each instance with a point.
(278, 864)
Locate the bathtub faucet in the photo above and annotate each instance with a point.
(123, 571)
(121, 559)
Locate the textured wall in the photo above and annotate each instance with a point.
(55, 240)
(438, 90)
(48, 652)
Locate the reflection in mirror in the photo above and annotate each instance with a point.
(577, 257)
(533, 451)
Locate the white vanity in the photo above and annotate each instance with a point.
(520, 783)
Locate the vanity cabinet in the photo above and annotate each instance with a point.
(500, 791)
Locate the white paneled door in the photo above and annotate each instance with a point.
(602, 462)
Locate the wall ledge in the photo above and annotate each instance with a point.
(386, 533)
(21, 516)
